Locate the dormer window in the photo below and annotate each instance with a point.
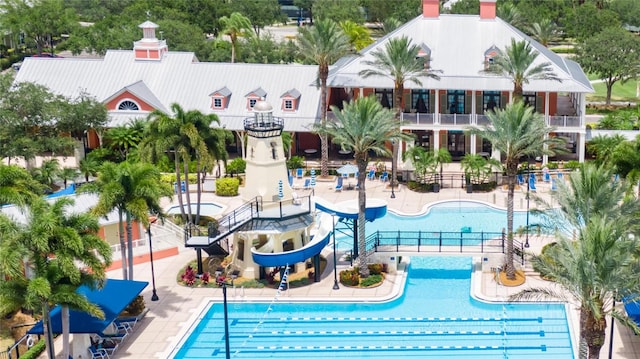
(220, 98)
(128, 105)
(290, 100)
(425, 54)
(254, 96)
(489, 56)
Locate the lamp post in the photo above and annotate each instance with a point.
(335, 260)
(224, 285)
(526, 238)
(393, 168)
(611, 335)
(154, 295)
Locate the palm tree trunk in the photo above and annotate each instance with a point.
(240, 136)
(511, 185)
(186, 186)
(198, 189)
(129, 246)
(517, 92)
(123, 248)
(363, 256)
(323, 73)
(397, 91)
(179, 187)
(48, 331)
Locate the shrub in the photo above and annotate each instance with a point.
(552, 165)
(170, 178)
(371, 280)
(227, 187)
(35, 351)
(136, 306)
(375, 268)
(189, 276)
(236, 166)
(572, 165)
(205, 278)
(295, 162)
(350, 277)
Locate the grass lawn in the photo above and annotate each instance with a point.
(619, 93)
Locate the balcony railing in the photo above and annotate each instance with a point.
(455, 119)
(564, 121)
(414, 118)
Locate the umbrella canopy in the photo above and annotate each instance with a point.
(313, 178)
(348, 169)
(280, 191)
(113, 298)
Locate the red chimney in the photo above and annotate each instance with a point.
(487, 9)
(431, 8)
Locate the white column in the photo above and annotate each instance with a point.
(474, 120)
(472, 143)
(436, 110)
(581, 146)
(436, 140)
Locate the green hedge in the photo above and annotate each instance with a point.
(35, 350)
(170, 178)
(227, 187)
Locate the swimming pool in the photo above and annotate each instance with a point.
(206, 209)
(434, 318)
(448, 216)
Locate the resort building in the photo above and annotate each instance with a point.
(132, 83)
(460, 47)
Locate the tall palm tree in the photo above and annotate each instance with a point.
(399, 60)
(359, 35)
(89, 166)
(63, 251)
(515, 62)
(134, 190)
(362, 126)
(602, 264)
(235, 26)
(510, 13)
(180, 135)
(323, 44)
(68, 173)
(603, 147)
(517, 132)
(17, 186)
(544, 31)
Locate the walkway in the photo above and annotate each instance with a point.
(178, 305)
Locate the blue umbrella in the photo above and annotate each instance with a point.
(313, 177)
(280, 191)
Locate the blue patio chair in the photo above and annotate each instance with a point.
(307, 183)
(98, 353)
(560, 176)
(290, 181)
(520, 178)
(554, 185)
(371, 175)
(339, 184)
(532, 184)
(546, 177)
(384, 177)
(299, 173)
(532, 177)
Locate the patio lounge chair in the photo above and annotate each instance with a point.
(307, 183)
(371, 175)
(299, 173)
(520, 178)
(554, 185)
(98, 353)
(546, 177)
(339, 185)
(384, 177)
(532, 184)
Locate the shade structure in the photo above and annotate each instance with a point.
(348, 169)
(313, 178)
(280, 190)
(113, 298)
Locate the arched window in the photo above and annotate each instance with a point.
(128, 105)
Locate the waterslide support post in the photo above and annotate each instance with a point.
(355, 238)
(316, 268)
(199, 260)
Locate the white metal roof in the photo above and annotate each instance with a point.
(458, 44)
(180, 78)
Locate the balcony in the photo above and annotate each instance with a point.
(564, 121)
(415, 118)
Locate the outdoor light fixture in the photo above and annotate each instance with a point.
(224, 284)
(393, 169)
(526, 240)
(154, 295)
(335, 260)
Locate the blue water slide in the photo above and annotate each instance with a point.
(376, 208)
(315, 246)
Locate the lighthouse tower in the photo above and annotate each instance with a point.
(266, 171)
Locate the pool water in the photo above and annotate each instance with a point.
(450, 216)
(434, 318)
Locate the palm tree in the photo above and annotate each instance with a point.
(510, 13)
(323, 44)
(426, 163)
(63, 251)
(601, 265)
(362, 126)
(399, 61)
(124, 139)
(603, 147)
(17, 186)
(89, 167)
(515, 62)
(235, 26)
(544, 31)
(68, 173)
(516, 131)
(359, 35)
(47, 173)
(134, 190)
